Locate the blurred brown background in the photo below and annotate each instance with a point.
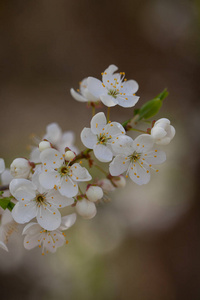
(145, 244)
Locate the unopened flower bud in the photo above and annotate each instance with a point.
(94, 193)
(163, 132)
(20, 168)
(86, 209)
(119, 182)
(44, 145)
(106, 185)
(69, 155)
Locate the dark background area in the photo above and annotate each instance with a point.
(145, 244)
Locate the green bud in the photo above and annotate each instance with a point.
(152, 107)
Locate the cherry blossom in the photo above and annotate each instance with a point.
(20, 168)
(114, 88)
(47, 240)
(58, 140)
(102, 137)
(57, 173)
(36, 201)
(86, 208)
(7, 227)
(82, 94)
(137, 158)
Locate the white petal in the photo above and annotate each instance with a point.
(123, 145)
(130, 87)
(56, 199)
(68, 188)
(22, 189)
(113, 130)
(49, 179)
(143, 143)
(98, 122)
(95, 87)
(48, 217)
(110, 70)
(127, 100)
(139, 174)
(88, 138)
(35, 155)
(67, 221)
(31, 228)
(23, 213)
(6, 177)
(108, 100)
(78, 96)
(158, 132)
(2, 165)
(79, 173)
(119, 165)
(32, 241)
(103, 153)
(155, 157)
(51, 158)
(54, 133)
(3, 246)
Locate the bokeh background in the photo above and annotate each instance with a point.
(145, 243)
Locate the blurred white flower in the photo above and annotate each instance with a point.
(47, 240)
(2, 165)
(7, 227)
(58, 139)
(163, 132)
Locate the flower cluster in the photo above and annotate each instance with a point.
(57, 174)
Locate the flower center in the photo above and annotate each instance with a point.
(102, 139)
(135, 156)
(113, 93)
(64, 170)
(40, 198)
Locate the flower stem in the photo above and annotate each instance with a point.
(93, 110)
(134, 129)
(100, 169)
(108, 114)
(4, 187)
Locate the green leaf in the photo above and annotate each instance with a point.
(6, 203)
(152, 107)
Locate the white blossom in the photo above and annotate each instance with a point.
(114, 88)
(82, 94)
(86, 208)
(103, 137)
(7, 227)
(58, 140)
(163, 132)
(58, 174)
(137, 159)
(36, 201)
(2, 165)
(94, 193)
(47, 240)
(20, 168)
